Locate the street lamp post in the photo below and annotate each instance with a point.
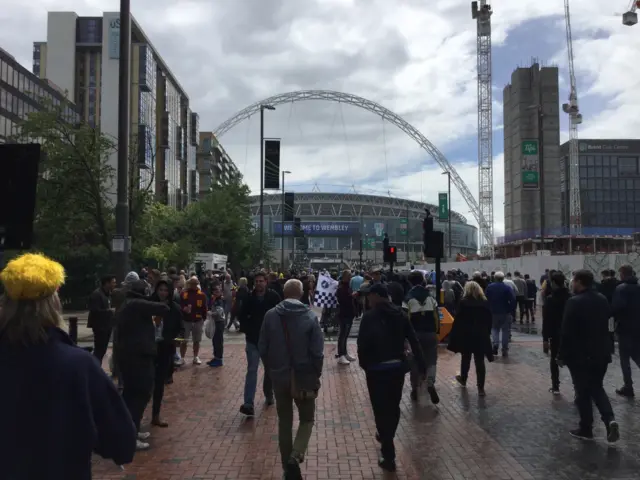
(448, 174)
(262, 109)
(282, 225)
(120, 248)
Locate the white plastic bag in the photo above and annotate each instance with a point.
(209, 326)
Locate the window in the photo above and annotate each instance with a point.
(597, 160)
(590, 160)
(3, 71)
(627, 166)
(606, 161)
(3, 99)
(10, 75)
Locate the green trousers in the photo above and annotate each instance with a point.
(306, 411)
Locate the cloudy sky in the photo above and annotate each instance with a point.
(417, 58)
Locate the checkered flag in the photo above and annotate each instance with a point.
(325, 296)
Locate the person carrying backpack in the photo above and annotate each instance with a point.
(422, 310)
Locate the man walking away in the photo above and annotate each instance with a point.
(608, 285)
(137, 351)
(532, 292)
(381, 351)
(552, 314)
(346, 312)
(194, 308)
(422, 310)
(626, 312)
(585, 348)
(252, 315)
(101, 316)
(502, 301)
(521, 295)
(291, 346)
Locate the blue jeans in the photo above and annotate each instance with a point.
(251, 380)
(218, 340)
(501, 323)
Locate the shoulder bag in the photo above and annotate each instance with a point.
(298, 391)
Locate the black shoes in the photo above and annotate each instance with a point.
(414, 396)
(626, 391)
(387, 465)
(292, 470)
(269, 401)
(247, 410)
(435, 399)
(613, 432)
(461, 380)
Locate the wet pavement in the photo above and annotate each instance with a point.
(519, 431)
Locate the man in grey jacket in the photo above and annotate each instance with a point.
(291, 338)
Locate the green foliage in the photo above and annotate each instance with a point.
(75, 217)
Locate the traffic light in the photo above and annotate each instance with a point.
(393, 254)
(433, 242)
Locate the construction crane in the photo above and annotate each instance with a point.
(630, 18)
(575, 119)
(481, 12)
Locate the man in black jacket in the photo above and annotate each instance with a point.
(381, 352)
(552, 314)
(626, 312)
(585, 348)
(101, 316)
(136, 344)
(261, 300)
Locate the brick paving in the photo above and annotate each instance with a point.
(517, 432)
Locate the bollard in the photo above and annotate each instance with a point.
(73, 329)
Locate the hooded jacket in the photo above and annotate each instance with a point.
(303, 351)
(552, 313)
(381, 339)
(59, 391)
(626, 308)
(134, 321)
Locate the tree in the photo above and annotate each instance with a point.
(72, 207)
(221, 223)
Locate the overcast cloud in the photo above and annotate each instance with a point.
(416, 58)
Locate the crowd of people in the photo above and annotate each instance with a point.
(154, 318)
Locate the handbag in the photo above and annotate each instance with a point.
(298, 392)
(209, 326)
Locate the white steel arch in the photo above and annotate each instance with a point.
(385, 114)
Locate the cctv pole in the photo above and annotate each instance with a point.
(120, 249)
(282, 229)
(262, 184)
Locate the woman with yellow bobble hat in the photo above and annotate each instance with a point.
(57, 405)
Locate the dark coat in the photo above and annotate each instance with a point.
(626, 308)
(345, 301)
(553, 312)
(585, 338)
(471, 330)
(134, 321)
(252, 314)
(172, 319)
(100, 313)
(58, 406)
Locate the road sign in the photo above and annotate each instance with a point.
(443, 206)
(404, 226)
(369, 243)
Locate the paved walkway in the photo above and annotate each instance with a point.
(517, 432)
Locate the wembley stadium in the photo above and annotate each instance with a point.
(335, 223)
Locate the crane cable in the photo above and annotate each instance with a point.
(386, 163)
(346, 139)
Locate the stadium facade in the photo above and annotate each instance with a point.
(334, 224)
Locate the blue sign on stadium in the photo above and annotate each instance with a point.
(320, 229)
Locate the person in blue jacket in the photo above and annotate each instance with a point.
(57, 405)
(502, 302)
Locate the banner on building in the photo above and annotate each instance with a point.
(530, 165)
(114, 39)
(443, 206)
(272, 164)
(404, 226)
(320, 229)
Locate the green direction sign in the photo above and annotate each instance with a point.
(404, 226)
(529, 147)
(530, 165)
(443, 206)
(369, 243)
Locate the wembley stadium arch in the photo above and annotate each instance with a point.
(385, 114)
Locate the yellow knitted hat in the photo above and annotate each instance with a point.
(32, 276)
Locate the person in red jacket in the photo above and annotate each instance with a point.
(194, 310)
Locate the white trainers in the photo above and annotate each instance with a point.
(197, 361)
(141, 445)
(143, 435)
(343, 361)
(178, 361)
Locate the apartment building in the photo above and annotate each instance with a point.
(81, 56)
(215, 167)
(21, 93)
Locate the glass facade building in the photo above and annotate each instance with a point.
(609, 186)
(21, 93)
